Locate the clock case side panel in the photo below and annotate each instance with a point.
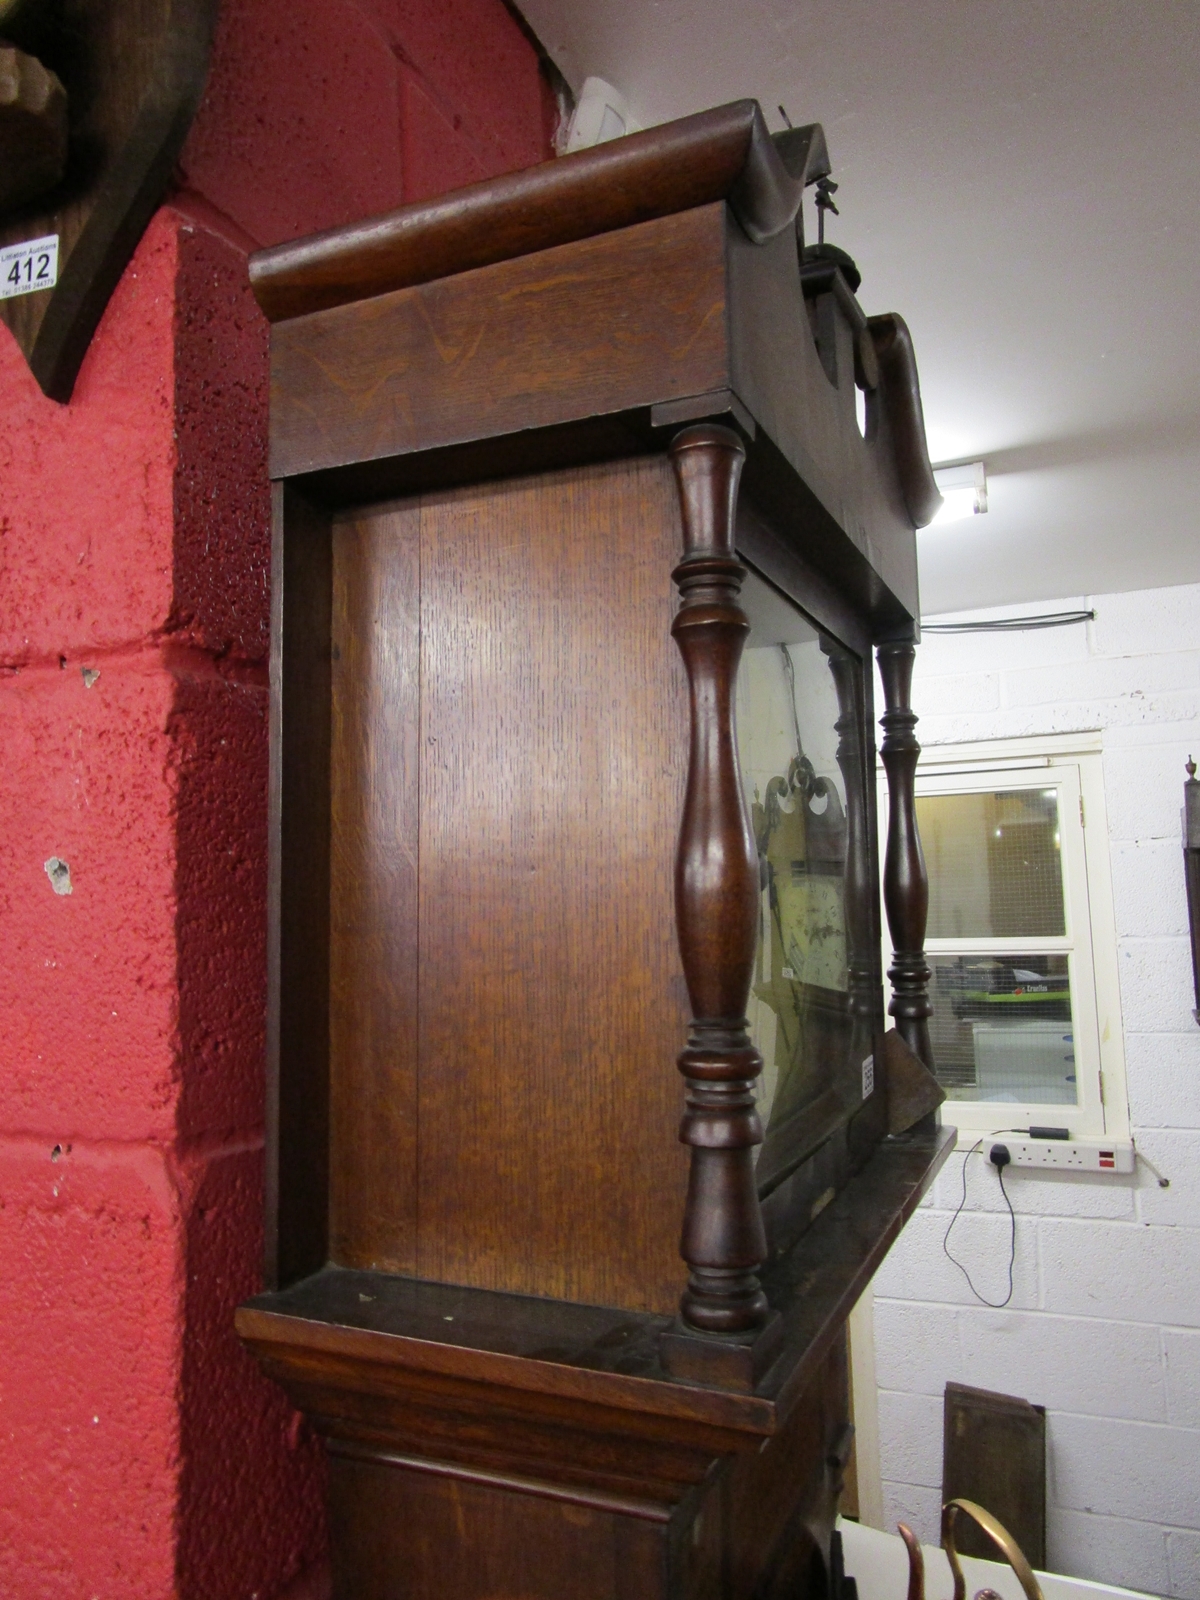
(297, 1177)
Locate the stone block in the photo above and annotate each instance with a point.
(85, 539)
(1107, 1549)
(916, 1347)
(1158, 993)
(299, 128)
(1181, 1352)
(1102, 1369)
(1129, 1271)
(88, 983)
(1140, 621)
(1149, 899)
(1183, 1561)
(910, 1438)
(1176, 1154)
(91, 1250)
(1163, 1075)
(918, 1506)
(1140, 1470)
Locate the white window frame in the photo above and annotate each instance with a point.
(1072, 763)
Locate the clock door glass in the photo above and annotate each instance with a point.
(799, 741)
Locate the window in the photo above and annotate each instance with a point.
(1026, 1024)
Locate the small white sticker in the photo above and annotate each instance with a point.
(868, 1077)
(25, 268)
(790, 973)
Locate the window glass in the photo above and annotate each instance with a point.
(995, 864)
(1001, 1028)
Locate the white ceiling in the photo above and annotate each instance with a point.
(1022, 183)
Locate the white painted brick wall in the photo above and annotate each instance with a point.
(1104, 1324)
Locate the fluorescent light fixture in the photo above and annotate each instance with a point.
(964, 492)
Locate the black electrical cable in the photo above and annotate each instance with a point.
(996, 1305)
(1048, 619)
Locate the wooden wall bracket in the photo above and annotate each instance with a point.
(716, 907)
(905, 882)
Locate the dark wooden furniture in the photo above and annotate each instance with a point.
(133, 72)
(994, 1454)
(520, 437)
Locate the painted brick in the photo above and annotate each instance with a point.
(1113, 679)
(1185, 732)
(219, 769)
(1181, 1351)
(478, 66)
(1148, 890)
(299, 128)
(222, 500)
(88, 1369)
(1157, 994)
(1183, 1559)
(961, 692)
(1145, 620)
(918, 1269)
(1118, 1269)
(920, 1508)
(245, 1469)
(1012, 722)
(916, 1347)
(87, 986)
(1143, 789)
(85, 533)
(1176, 1154)
(1107, 1549)
(1137, 1470)
(1163, 1073)
(966, 652)
(910, 1438)
(1103, 1369)
(438, 155)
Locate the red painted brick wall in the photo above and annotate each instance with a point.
(141, 1455)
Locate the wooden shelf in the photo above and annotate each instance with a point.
(341, 1338)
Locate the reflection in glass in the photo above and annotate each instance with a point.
(1001, 1028)
(995, 864)
(798, 733)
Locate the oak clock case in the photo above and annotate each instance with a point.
(570, 502)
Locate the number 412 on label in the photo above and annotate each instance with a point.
(27, 267)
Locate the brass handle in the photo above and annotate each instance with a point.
(998, 1534)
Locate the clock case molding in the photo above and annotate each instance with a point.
(502, 422)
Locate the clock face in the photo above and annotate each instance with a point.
(800, 797)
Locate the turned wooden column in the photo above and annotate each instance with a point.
(905, 883)
(716, 905)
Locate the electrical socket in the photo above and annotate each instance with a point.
(1070, 1155)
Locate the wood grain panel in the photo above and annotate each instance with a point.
(627, 319)
(554, 735)
(373, 890)
(400, 1534)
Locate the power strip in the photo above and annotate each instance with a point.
(1069, 1155)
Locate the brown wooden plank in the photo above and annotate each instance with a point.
(381, 1327)
(628, 319)
(298, 893)
(554, 731)
(373, 892)
(994, 1452)
(399, 1534)
(715, 155)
